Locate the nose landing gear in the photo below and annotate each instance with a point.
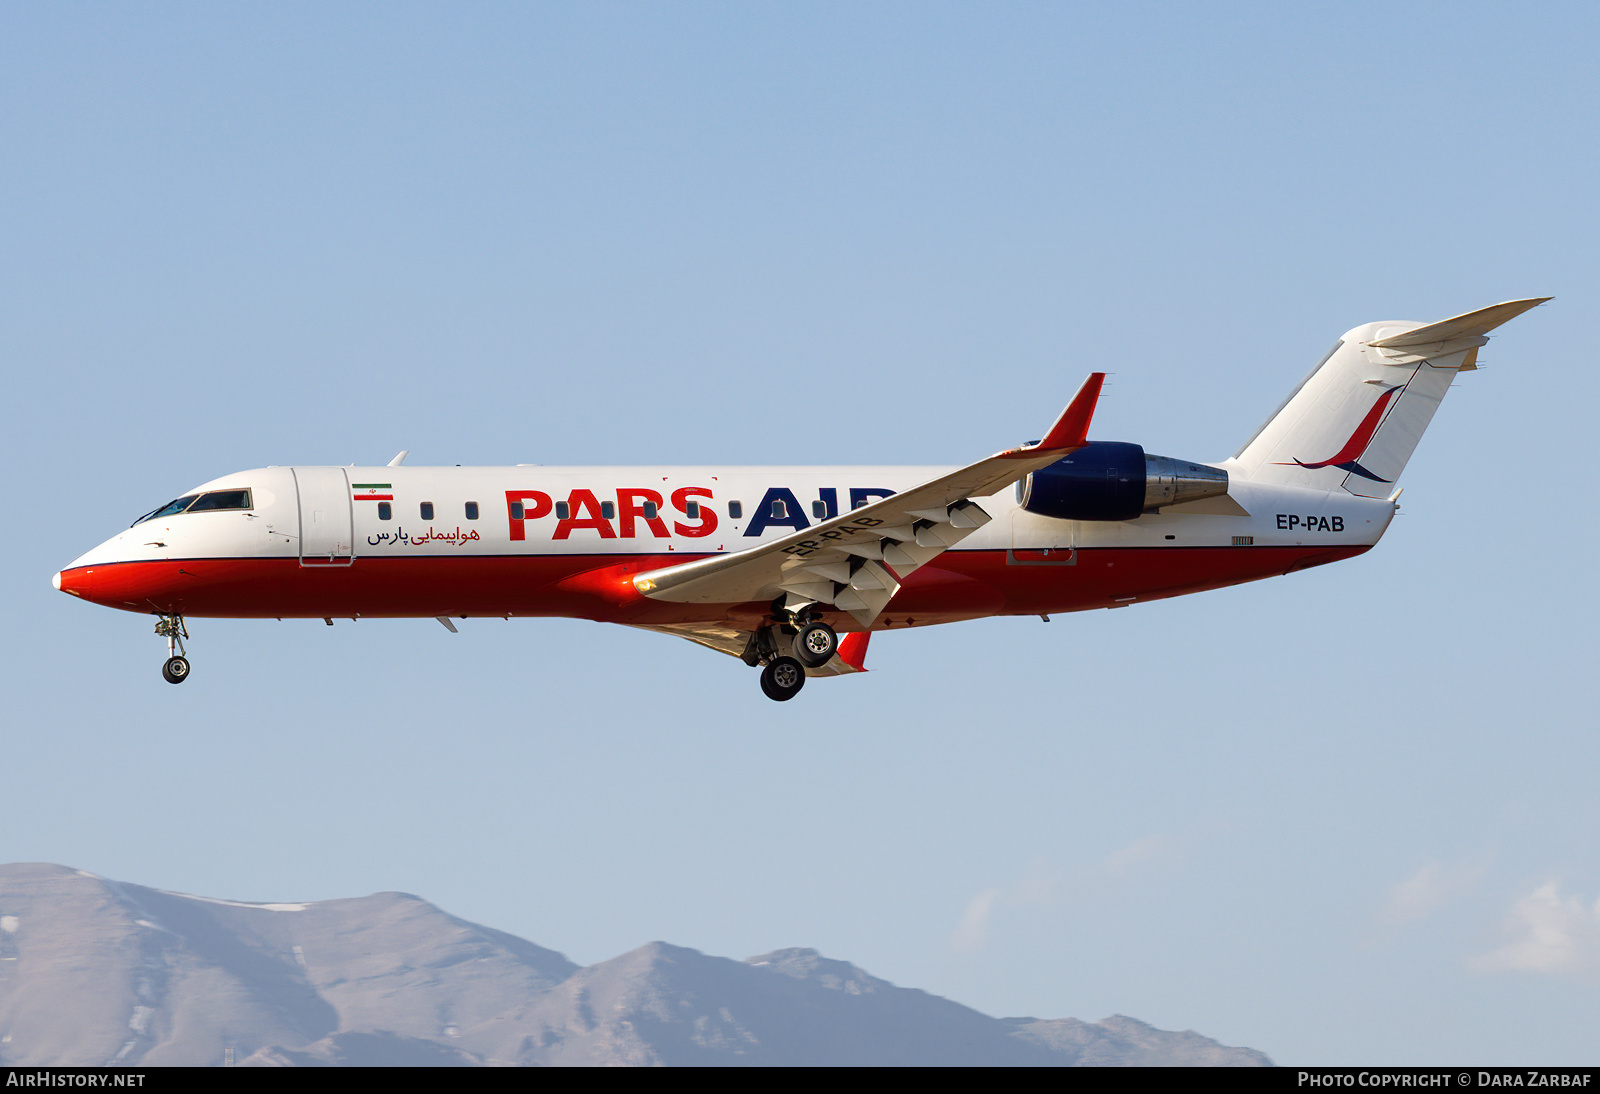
(170, 627)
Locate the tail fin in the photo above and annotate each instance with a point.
(1354, 422)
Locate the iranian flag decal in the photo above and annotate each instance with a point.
(372, 491)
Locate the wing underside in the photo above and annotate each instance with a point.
(728, 639)
(857, 561)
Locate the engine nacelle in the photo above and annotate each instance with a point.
(1114, 480)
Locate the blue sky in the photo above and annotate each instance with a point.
(1345, 816)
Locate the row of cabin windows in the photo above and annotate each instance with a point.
(425, 510)
(608, 510)
(780, 509)
(650, 510)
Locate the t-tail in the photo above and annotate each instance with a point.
(1355, 420)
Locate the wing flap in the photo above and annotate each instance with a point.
(856, 561)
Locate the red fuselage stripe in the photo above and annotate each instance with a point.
(958, 585)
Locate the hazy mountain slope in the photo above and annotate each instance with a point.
(106, 971)
(664, 1004)
(94, 971)
(1120, 1041)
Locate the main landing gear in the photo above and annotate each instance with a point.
(816, 644)
(171, 627)
(782, 679)
(786, 649)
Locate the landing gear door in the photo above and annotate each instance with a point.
(327, 535)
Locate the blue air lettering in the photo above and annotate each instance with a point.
(830, 502)
(778, 509)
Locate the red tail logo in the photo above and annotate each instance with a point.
(1346, 458)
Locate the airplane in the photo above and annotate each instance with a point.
(792, 569)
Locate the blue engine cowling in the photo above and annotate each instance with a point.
(1114, 480)
(1104, 480)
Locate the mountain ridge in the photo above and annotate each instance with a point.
(95, 971)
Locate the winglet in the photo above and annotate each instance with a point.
(1072, 428)
(853, 649)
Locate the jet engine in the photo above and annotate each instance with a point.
(1114, 480)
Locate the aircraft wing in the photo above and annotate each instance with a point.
(857, 560)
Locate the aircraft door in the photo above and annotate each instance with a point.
(327, 534)
(1041, 541)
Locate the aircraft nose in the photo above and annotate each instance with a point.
(74, 580)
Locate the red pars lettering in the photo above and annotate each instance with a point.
(708, 516)
(525, 505)
(580, 501)
(630, 507)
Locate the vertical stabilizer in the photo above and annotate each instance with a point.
(1354, 422)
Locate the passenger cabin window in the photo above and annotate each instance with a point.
(780, 511)
(516, 510)
(692, 510)
(472, 510)
(735, 510)
(427, 510)
(385, 511)
(650, 510)
(608, 510)
(563, 511)
(819, 509)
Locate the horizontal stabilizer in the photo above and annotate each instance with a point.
(1473, 324)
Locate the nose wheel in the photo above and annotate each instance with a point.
(170, 627)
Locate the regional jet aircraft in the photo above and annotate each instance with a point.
(792, 569)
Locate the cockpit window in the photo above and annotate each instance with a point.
(196, 503)
(221, 499)
(168, 509)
